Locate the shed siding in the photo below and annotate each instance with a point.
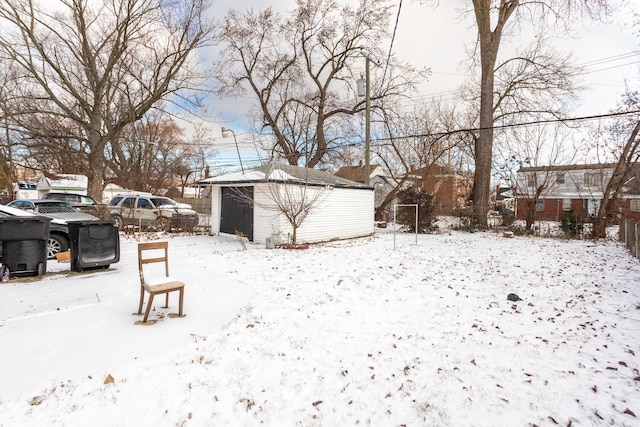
(266, 217)
(216, 206)
(343, 214)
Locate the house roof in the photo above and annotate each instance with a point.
(434, 170)
(273, 172)
(356, 173)
(561, 168)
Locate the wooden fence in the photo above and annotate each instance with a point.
(630, 234)
(202, 205)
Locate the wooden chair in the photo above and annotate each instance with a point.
(160, 285)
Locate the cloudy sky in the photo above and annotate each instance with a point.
(437, 38)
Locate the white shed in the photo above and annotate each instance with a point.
(252, 202)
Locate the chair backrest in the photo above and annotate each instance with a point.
(157, 252)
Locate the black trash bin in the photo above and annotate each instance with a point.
(24, 244)
(25, 257)
(93, 244)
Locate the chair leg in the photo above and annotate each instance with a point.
(181, 300)
(141, 300)
(166, 304)
(149, 304)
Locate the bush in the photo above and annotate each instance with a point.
(572, 225)
(466, 221)
(406, 215)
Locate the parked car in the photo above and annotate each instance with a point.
(58, 231)
(151, 212)
(60, 213)
(79, 201)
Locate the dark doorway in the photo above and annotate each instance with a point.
(237, 211)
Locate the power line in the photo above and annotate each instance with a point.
(393, 37)
(513, 125)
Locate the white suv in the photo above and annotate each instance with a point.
(151, 212)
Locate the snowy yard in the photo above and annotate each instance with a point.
(344, 333)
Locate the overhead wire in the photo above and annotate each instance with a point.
(513, 125)
(393, 37)
(451, 94)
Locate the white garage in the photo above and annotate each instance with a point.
(269, 200)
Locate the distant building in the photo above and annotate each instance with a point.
(573, 188)
(382, 184)
(450, 189)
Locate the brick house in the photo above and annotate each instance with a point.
(450, 190)
(572, 188)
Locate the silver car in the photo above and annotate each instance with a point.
(151, 213)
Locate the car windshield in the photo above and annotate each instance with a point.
(161, 201)
(115, 200)
(54, 207)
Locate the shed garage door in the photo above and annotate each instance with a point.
(236, 212)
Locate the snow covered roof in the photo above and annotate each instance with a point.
(64, 181)
(273, 172)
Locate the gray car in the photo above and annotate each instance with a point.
(60, 213)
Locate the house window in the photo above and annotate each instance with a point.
(566, 205)
(592, 179)
(560, 178)
(634, 205)
(531, 180)
(540, 205)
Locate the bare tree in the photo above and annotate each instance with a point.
(423, 138)
(627, 154)
(528, 162)
(301, 70)
(295, 201)
(491, 19)
(9, 82)
(93, 68)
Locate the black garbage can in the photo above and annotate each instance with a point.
(24, 244)
(25, 257)
(93, 244)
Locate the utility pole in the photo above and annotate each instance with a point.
(367, 126)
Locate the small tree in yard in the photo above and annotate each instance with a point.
(291, 194)
(407, 215)
(295, 202)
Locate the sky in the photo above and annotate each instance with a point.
(383, 330)
(437, 38)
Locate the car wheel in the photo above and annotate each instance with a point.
(163, 224)
(55, 244)
(117, 219)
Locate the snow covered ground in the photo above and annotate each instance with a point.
(344, 333)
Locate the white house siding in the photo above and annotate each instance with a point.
(344, 213)
(572, 186)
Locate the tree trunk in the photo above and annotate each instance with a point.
(615, 184)
(96, 166)
(489, 44)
